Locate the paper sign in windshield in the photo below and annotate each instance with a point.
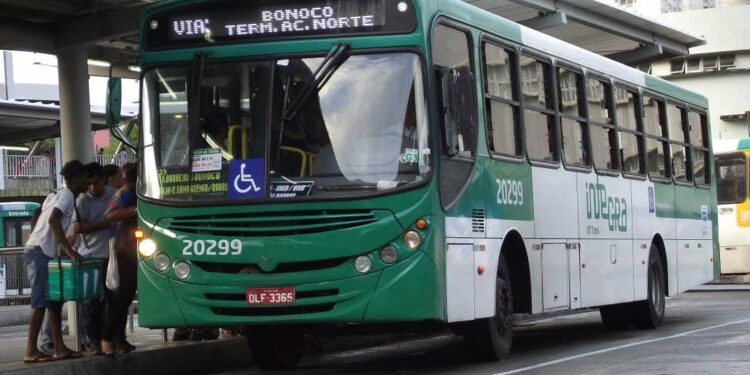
(410, 156)
(206, 159)
(291, 190)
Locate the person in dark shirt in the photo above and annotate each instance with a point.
(122, 210)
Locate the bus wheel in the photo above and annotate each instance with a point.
(650, 313)
(275, 347)
(491, 338)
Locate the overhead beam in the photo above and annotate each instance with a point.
(99, 27)
(30, 111)
(546, 21)
(15, 136)
(23, 110)
(51, 6)
(25, 36)
(612, 26)
(642, 54)
(25, 135)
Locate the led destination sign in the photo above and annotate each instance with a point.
(236, 21)
(276, 21)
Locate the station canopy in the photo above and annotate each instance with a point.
(108, 28)
(600, 26)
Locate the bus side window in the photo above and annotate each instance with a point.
(604, 141)
(630, 135)
(539, 110)
(501, 101)
(573, 126)
(657, 145)
(676, 122)
(699, 145)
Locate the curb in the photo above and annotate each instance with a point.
(184, 358)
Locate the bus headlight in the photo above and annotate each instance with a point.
(388, 254)
(412, 239)
(362, 264)
(147, 248)
(161, 261)
(182, 270)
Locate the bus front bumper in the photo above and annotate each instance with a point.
(404, 292)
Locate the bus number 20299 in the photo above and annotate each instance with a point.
(212, 247)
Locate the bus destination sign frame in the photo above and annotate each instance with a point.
(236, 21)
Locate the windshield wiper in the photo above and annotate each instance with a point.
(194, 99)
(348, 187)
(383, 186)
(328, 66)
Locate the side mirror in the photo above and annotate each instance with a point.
(114, 101)
(449, 107)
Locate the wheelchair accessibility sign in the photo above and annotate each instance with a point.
(247, 178)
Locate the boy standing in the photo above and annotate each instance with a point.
(57, 214)
(94, 232)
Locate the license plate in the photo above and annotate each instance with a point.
(283, 295)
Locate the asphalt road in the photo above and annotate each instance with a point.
(705, 332)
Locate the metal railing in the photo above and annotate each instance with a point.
(15, 294)
(22, 166)
(28, 166)
(118, 159)
(14, 288)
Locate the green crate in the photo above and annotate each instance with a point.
(79, 282)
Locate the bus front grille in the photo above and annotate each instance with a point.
(267, 224)
(234, 268)
(272, 311)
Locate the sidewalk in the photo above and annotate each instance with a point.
(152, 356)
(734, 279)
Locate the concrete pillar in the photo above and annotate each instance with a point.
(58, 164)
(2, 172)
(75, 109)
(75, 128)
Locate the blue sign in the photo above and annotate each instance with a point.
(247, 178)
(651, 205)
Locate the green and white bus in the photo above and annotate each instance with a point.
(310, 164)
(733, 204)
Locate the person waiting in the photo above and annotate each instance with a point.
(93, 232)
(58, 211)
(122, 210)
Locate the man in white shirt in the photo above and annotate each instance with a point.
(57, 213)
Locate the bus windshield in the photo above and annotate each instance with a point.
(731, 178)
(259, 134)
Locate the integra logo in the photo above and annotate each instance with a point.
(601, 206)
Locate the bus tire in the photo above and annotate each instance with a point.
(275, 347)
(650, 313)
(491, 338)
